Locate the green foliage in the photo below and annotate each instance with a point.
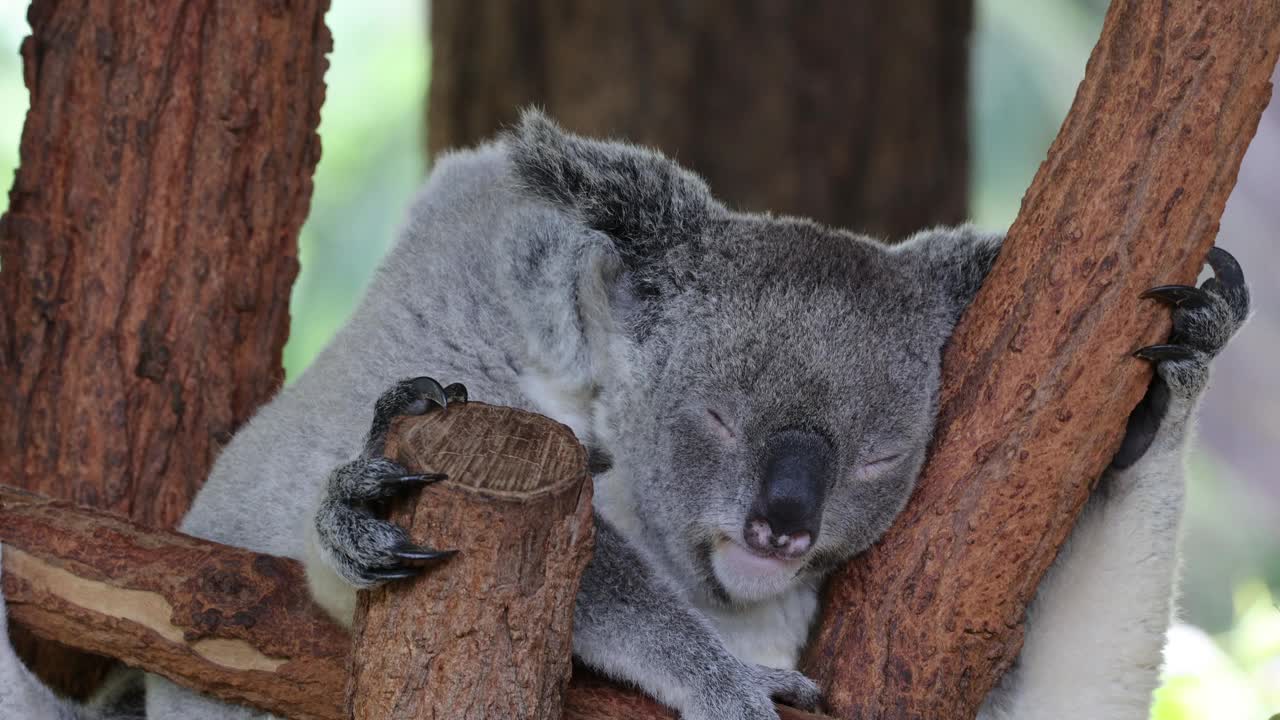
(371, 136)
(1233, 675)
(13, 95)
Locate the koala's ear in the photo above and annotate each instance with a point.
(637, 196)
(953, 261)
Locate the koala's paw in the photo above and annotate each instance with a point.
(789, 686)
(1204, 319)
(752, 692)
(362, 548)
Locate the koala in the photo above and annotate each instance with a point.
(758, 394)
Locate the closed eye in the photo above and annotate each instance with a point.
(719, 425)
(879, 465)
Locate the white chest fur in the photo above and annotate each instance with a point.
(770, 633)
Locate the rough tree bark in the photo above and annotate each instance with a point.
(149, 245)
(851, 113)
(226, 622)
(232, 623)
(488, 634)
(1038, 379)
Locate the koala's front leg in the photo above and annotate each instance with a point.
(1097, 627)
(350, 546)
(631, 625)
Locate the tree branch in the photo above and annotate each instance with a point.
(224, 621)
(1038, 378)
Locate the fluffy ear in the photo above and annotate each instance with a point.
(637, 196)
(954, 261)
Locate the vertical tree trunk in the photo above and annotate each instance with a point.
(1038, 378)
(851, 113)
(150, 241)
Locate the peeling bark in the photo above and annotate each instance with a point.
(1038, 379)
(226, 622)
(232, 623)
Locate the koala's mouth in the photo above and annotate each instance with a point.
(735, 563)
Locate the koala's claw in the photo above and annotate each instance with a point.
(427, 390)
(397, 483)
(418, 553)
(363, 549)
(455, 393)
(1161, 353)
(1204, 319)
(1178, 295)
(379, 575)
(414, 396)
(1226, 268)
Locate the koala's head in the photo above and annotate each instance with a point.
(777, 380)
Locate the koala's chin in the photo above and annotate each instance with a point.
(748, 576)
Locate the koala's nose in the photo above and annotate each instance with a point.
(787, 514)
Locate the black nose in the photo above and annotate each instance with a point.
(787, 514)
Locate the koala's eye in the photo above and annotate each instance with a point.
(878, 466)
(719, 425)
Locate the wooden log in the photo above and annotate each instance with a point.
(1038, 379)
(230, 623)
(149, 246)
(487, 633)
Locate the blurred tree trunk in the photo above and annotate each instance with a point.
(852, 113)
(150, 246)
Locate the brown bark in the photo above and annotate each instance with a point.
(1038, 379)
(224, 621)
(149, 247)
(229, 622)
(488, 633)
(851, 113)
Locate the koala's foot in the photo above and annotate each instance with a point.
(362, 548)
(751, 693)
(1204, 319)
(790, 687)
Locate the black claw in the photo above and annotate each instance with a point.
(431, 390)
(411, 552)
(1225, 267)
(1179, 295)
(412, 480)
(456, 392)
(397, 573)
(1161, 353)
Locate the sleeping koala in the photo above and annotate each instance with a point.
(763, 390)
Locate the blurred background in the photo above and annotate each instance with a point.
(1027, 58)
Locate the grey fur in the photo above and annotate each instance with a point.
(601, 284)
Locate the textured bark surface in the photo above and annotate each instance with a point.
(149, 246)
(488, 633)
(1038, 380)
(851, 113)
(235, 624)
(223, 621)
